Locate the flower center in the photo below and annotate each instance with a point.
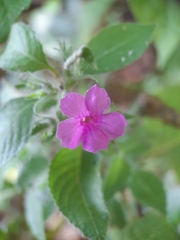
(85, 120)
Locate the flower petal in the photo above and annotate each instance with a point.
(112, 124)
(97, 100)
(94, 139)
(73, 105)
(70, 133)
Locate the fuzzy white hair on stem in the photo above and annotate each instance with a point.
(73, 58)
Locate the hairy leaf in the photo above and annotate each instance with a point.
(32, 170)
(23, 51)
(9, 12)
(45, 104)
(76, 187)
(39, 127)
(34, 213)
(16, 118)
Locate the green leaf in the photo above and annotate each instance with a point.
(48, 203)
(87, 55)
(86, 58)
(89, 23)
(34, 213)
(172, 70)
(151, 227)
(116, 46)
(39, 127)
(113, 234)
(3, 236)
(45, 104)
(128, 116)
(173, 206)
(32, 170)
(23, 51)
(157, 146)
(148, 190)
(16, 118)
(165, 14)
(116, 213)
(146, 11)
(116, 177)
(170, 96)
(9, 12)
(76, 187)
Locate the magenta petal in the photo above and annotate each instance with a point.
(112, 124)
(73, 105)
(70, 133)
(94, 139)
(97, 100)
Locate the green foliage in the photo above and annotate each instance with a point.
(9, 12)
(3, 236)
(75, 185)
(87, 55)
(16, 119)
(48, 203)
(39, 127)
(116, 213)
(173, 206)
(32, 170)
(34, 213)
(87, 58)
(98, 8)
(117, 46)
(170, 96)
(45, 104)
(23, 51)
(148, 190)
(164, 143)
(166, 15)
(151, 227)
(116, 177)
(172, 70)
(113, 233)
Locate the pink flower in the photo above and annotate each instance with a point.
(87, 123)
